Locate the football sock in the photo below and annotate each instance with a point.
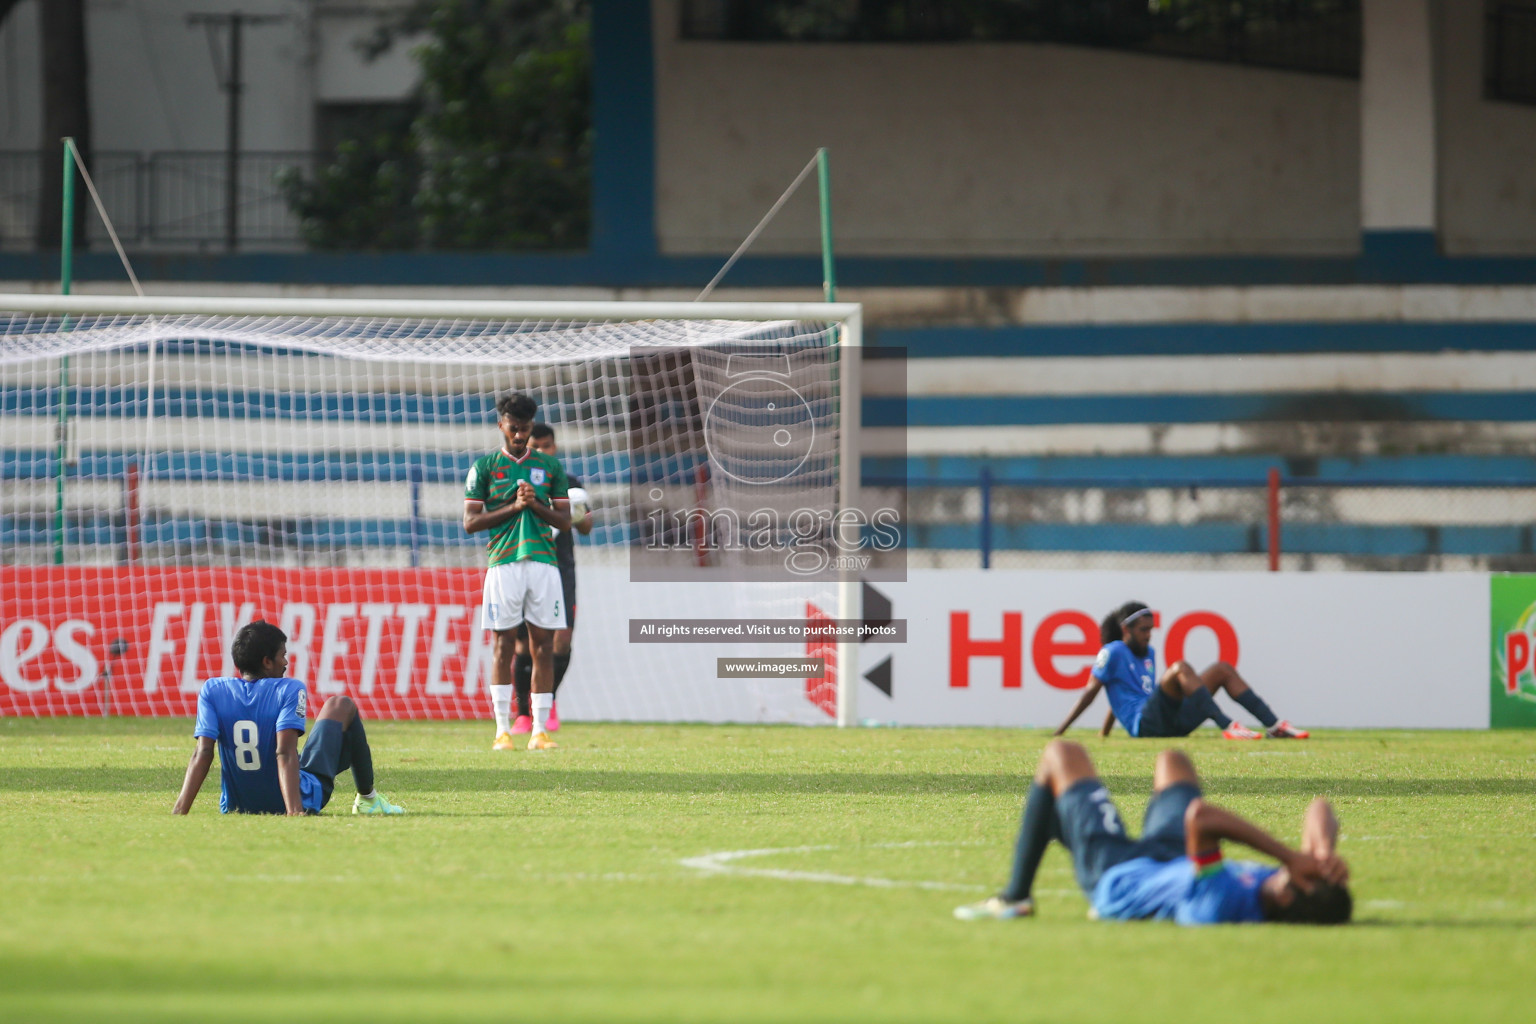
(1254, 703)
(368, 795)
(1203, 701)
(501, 706)
(1039, 827)
(562, 662)
(541, 705)
(522, 679)
(355, 739)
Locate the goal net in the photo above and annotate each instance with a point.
(176, 468)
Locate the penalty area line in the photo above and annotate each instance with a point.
(724, 863)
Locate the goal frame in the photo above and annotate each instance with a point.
(848, 316)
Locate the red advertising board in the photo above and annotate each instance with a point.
(405, 643)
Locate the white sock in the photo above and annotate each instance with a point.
(542, 702)
(369, 795)
(501, 706)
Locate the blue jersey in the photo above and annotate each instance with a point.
(1162, 890)
(244, 716)
(1128, 681)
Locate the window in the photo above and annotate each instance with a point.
(1319, 36)
(1509, 41)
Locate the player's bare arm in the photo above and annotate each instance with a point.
(1180, 679)
(197, 773)
(1319, 838)
(1088, 697)
(551, 514)
(288, 771)
(1109, 723)
(1206, 825)
(477, 518)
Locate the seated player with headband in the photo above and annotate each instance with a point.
(1179, 701)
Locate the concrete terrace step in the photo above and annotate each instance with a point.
(1205, 339)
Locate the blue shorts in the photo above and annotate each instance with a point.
(1094, 832)
(1163, 715)
(320, 764)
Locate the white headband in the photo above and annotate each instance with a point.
(1134, 616)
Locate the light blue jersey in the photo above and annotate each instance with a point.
(1128, 681)
(1142, 888)
(244, 716)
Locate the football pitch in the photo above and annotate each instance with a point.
(706, 873)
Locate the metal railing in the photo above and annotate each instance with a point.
(175, 199)
(1294, 522)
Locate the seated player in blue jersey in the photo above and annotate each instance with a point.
(256, 720)
(1175, 870)
(1179, 701)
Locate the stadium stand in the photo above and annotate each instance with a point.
(1399, 444)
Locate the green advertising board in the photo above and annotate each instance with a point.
(1512, 615)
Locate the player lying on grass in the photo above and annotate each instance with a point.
(1175, 870)
(1180, 701)
(256, 721)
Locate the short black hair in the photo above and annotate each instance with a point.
(541, 431)
(516, 405)
(1325, 904)
(1112, 627)
(254, 644)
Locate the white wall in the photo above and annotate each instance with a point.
(1397, 131)
(1001, 149)
(152, 79)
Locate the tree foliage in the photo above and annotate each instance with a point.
(497, 154)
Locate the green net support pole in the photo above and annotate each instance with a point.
(824, 181)
(66, 280)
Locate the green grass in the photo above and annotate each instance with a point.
(551, 886)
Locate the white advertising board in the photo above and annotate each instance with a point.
(1001, 648)
(1381, 650)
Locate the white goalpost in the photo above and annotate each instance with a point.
(177, 466)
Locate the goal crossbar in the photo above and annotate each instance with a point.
(847, 313)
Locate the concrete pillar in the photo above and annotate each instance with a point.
(1397, 118)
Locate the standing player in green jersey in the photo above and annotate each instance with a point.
(542, 439)
(519, 494)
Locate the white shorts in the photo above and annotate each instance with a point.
(522, 590)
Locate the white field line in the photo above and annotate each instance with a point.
(722, 864)
(483, 876)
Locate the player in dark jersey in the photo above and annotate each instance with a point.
(1175, 870)
(255, 721)
(542, 439)
(519, 495)
(1179, 701)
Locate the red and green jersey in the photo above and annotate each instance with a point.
(493, 481)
